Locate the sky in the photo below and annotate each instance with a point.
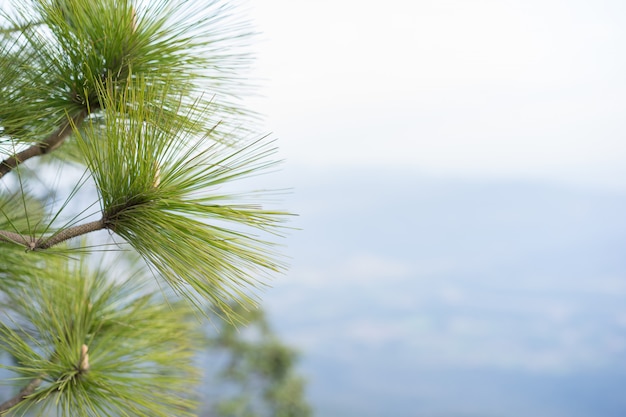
(459, 170)
(529, 89)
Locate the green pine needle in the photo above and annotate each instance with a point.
(161, 190)
(100, 349)
(152, 91)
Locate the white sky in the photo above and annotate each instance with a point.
(489, 88)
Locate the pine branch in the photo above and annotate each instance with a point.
(49, 144)
(82, 367)
(47, 242)
(21, 396)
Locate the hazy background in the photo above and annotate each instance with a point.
(459, 167)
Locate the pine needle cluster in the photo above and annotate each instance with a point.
(90, 347)
(143, 97)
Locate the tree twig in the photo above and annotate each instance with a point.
(47, 242)
(50, 143)
(24, 392)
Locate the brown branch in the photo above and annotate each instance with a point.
(13, 237)
(70, 233)
(47, 242)
(50, 143)
(21, 396)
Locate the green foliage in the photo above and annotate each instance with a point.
(158, 185)
(143, 99)
(260, 370)
(20, 211)
(54, 66)
(127, 80)
(100, 348)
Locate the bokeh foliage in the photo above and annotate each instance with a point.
(257, 371)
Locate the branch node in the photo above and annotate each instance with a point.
(83, 366)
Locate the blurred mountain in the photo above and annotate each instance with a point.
(412, 296)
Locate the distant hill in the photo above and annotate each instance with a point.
(412, 296)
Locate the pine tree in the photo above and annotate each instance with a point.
(121, 131)
(256, 371)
